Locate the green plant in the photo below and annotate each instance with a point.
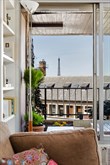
(60, 123)
(37, 77)
(38, 119)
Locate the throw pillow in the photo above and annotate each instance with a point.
(33, 156)
(52, 162)
(29, 157)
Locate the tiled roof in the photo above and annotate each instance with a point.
(61, 80)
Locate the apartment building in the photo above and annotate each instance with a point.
(70, 96)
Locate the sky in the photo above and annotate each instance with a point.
(75, 53)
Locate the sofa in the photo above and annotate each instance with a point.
(66, 147)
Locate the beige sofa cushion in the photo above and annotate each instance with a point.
(69, 147)
(5, 145)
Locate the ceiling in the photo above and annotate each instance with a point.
(71, 19)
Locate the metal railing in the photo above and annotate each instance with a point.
(69, 101)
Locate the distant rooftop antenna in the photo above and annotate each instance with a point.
(59, 74)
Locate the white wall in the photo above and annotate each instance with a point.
(11, 125)
(17, 65)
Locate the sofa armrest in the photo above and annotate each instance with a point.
(77, 147)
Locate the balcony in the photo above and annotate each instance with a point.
(74, 102)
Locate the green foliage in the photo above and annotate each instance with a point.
(26, 117)
(38, 119)
(60, 123)
(36, 77)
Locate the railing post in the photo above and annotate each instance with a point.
(80, 114)
(63, 101)
(57, 109)
(75, 104)
(45, 113)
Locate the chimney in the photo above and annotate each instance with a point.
(42, 66)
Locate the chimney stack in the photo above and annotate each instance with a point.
(42, 66)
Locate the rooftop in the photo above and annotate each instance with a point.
(79, 83)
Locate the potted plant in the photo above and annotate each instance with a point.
(38, 121)
(37, 77)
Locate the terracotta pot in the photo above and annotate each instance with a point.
(38, 128)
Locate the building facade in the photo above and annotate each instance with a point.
(71, 96)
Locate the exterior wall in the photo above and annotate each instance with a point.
(65, 108)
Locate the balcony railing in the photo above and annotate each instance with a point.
(72, 101)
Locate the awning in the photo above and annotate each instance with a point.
(69, 19)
